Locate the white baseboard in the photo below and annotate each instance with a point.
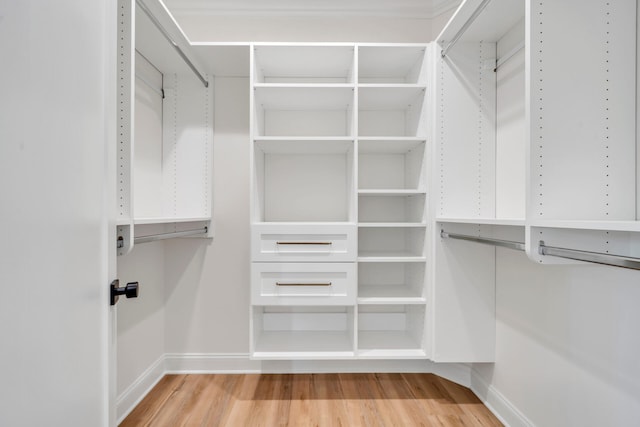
(130, 398)
(497, 403)
(211, 363)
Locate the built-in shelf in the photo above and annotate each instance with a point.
(145, 221)
(517, 222)
(304, 97)
(259, 86)
(390, 257)
(392, 224)
(298, 145)
(388, 145)
(391, 64)
(397, 344)
(390, 192)
(303, 345)
(630, 226)
(389, 294)
(291, 63)
(390, 97)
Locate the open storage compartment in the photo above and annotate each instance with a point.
(392, 64)
(391, 208)
(391, 331)
(304, 180)
(292, 332)
(391, 282)
(303, 111)
(304, 64)
(391, 111)
(391, 164)
(394, 243)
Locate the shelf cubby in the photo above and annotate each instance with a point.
(392, 64)
(388, 283)
(391, 242)
(391, 331)
(294, 332)
(303, 180)
(304, 64)
(303, 110)
(389, 164)
(391, 208)
(391, 111)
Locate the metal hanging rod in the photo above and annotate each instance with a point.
(507, 56)
(484, 240)
(465, 27)
(164, 236)
(594, 257)
(166, 35)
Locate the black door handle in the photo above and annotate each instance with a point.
(129, 291)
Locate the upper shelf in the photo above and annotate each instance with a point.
(632, 226)
(304, 97)
(517, 222)
(303, 64)
(390, 97)
(497, 17)
(392, 64)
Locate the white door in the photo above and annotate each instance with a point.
(56, 250)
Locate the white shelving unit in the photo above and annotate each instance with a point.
(165, 141)
(479, 176)
(339, 177)
(540, 156)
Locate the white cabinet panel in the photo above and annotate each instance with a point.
(303, 243)
(303, 283)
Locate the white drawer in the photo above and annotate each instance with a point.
(304, 242)
(303, 283)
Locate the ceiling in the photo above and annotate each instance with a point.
(392, 8)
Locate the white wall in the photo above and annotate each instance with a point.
(568, 348)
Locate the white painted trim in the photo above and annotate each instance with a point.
(240, 363)
(132, 396)
(497, 403)
(210, 363)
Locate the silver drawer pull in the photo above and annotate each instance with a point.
(303, 243)
(303, 284)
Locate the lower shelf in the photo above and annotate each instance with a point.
(384, 331)
(388, 344)
(289, 345)
(303, 332)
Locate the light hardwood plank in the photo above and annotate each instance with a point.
(300, 400)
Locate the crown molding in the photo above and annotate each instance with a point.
(313, 8)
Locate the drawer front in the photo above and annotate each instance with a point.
(303, 283)
(304, 243)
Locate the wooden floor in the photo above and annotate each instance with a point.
(394, 400)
